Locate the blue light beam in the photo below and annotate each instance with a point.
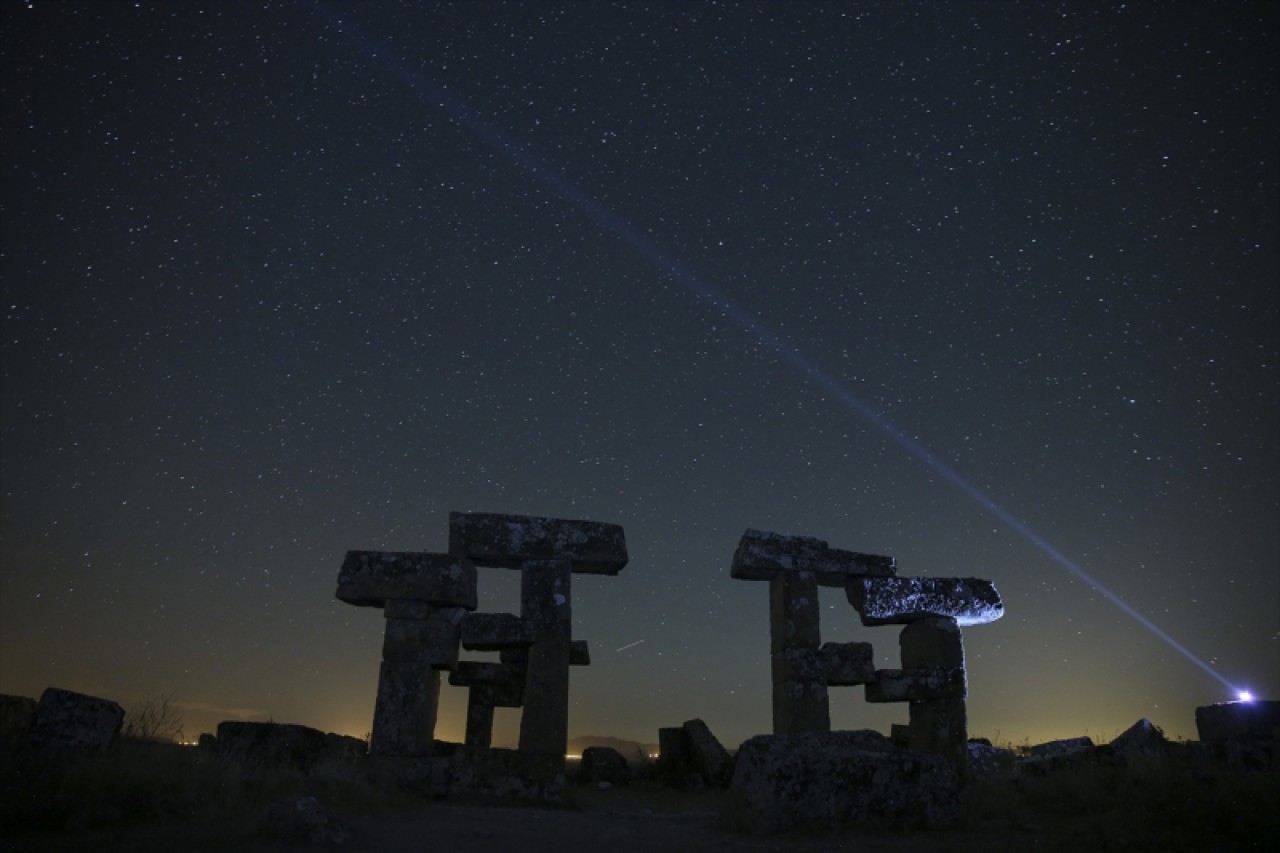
(713, 297)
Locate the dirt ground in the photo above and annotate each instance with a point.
(612, 821)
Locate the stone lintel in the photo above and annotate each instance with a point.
(848, 663)
(899, 601)
(762, 556)
(907, 685)
(483, 674)
(508, 541)
(369, 578)
(487, 632)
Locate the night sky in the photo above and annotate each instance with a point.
(990, 288)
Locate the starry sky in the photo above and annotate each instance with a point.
(987, 287)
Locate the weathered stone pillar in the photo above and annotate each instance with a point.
(795, 566)
(424, 597)
(544, 603)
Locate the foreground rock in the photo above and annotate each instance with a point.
(71, 722)
(305, 820)
(602, 764)
(283, 745)
(833, 779)
(1240, 735)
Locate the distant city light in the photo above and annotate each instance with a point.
(1245, 696)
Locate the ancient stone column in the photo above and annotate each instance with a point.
(423, 597)
(795, 566)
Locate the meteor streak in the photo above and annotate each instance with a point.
(629, 646)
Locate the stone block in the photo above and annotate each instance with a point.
(509, 695)
(479, 721)
(832, 780)
(545, 598)
(1142, 740)
(673, 747)
(71, 722)
(1062, 748)
(793, 612)
(369, 578)
(508, 541)
(603, 764)
(762, 556)
(940, 726)
(933, 641)
(17, 715)
(898, 601)
(404, 716)
(544, 725)
(800, 706)
(799, 664)
(483, 674)
(709, 757)
(1255, 720)
(432, 641)
(262, 745)
(926, 682)
(579, 653)
(488, 632)
(848, 663)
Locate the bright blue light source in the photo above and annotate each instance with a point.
(1245, 696)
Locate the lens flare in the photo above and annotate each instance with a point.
(713, 298)
(1245, 696)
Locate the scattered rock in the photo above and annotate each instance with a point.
(710, 758)
(17, 715)
(989, 762)
(74, 723)
(1237, 720)
(833, 779)
(1142, 740)
(304, 819)
(603, 767)
(283, 745)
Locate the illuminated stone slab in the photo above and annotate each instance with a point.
(508, 541)
(763, 556)
(369, 578)
(898, 601)
(913, 685)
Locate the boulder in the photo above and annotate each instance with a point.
(899, 601)
(989, 762)
(17, 715)
(74, 722)
(710, 758)
(763, 556)
(304, 820)
(1141, 740)
(1239, 720)
(601, 764)
(835, 779)
(271, 745)
(508, 541)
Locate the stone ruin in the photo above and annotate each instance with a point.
(931, 610)
(429, 602)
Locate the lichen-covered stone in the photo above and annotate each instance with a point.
(835, 779)
(545, 597)
(544, 724)
(762, 556)
(432, 641)
(488, 632)
(848, 663)
(508, 541)
(926, 682)
(800, 706)
(896, 601)
(940, 726)
(66, 721)
(484, 674)
(369, 578)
